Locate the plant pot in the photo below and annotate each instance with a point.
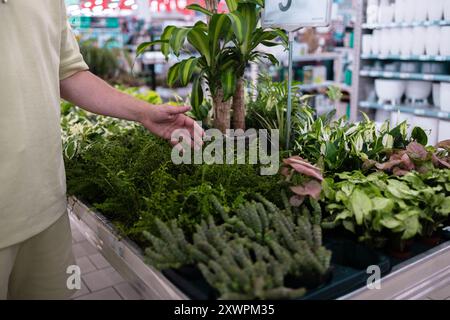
(432, 241)
(431, 234)
(311, 281)
(191, 281)
(400, 249)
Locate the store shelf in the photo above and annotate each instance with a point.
(406, 24)
(324, 85)
(425, 112)
(326, 56)
(405, 58)
(405, 76)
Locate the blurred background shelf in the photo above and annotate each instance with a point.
(405, 76)
(418, 111)
(405, 58)
(325, 85)
(372, 26)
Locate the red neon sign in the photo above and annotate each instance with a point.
(180, 6)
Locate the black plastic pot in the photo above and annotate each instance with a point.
(350, 262)
(347, 273)
(191, 282)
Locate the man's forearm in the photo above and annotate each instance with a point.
(93, 94)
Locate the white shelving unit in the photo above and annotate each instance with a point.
(405, 24)
(364, 74)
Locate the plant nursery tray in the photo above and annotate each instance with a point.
(348, 273)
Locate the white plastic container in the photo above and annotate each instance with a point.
(376, 40)
(396, 41)
(432, 40)
(386, 12)
(372, 11)
(400, 6)
(437, 95)
(447, 10)
(418, 44)
(409, 10)
(418, 90)
(445, 96)
(367, 41)
(407, 41)
(386, 41)
(420, 10)
(390, 90)
(445, 40)
(435, 9)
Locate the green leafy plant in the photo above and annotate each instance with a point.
(224, 46)
(379, 207)
(338, 146)
(267, 110)
(253, 253)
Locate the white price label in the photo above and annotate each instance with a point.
(292, 15)
(428, 77)
(443, 115)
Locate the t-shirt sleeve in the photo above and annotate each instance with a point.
(71, 60)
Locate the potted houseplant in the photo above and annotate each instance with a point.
(223, 48)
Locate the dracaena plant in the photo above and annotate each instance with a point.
(223, 47)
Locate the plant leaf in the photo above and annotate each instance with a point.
(420, 136)
(232, 5)
(144, 46)
(186, 70)
(197, 93)
(173, 74)
(199, 8)
(229, 81)
(199, 40)
(361, 205)
(166, 35)
(178, 39)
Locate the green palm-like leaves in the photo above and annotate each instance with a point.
(197, 93)
(199, 8)
(228, 80)
(187, 68)
(198, 38)
(225, 45)
(218, 27)
(178, 39)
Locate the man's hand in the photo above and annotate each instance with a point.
(93, 94)
(164, 120)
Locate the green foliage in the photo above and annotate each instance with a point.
(127, 174)
(224, 48)
(103, 62)
(341, 146)
(379, 207)
(252, 253)
(268, 109)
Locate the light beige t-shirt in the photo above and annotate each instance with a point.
(37, 51)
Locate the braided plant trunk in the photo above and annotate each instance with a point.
(222, 118)
(239, 106)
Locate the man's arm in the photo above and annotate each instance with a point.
(93, 94)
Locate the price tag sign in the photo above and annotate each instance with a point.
(292, 15)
